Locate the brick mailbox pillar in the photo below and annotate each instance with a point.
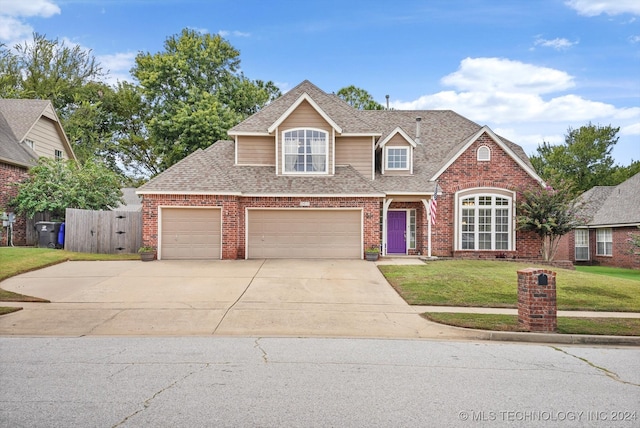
(537, 308)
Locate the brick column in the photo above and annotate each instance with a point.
(537, 309)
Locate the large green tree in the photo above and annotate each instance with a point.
(584, 160)
(195, 93)
(46, 69)
(550, 213)
(359, 98)
(53, 186)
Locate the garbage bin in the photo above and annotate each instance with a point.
(61, 236)
(47, 233)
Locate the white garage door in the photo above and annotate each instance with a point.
(190, 233)
(303, 234)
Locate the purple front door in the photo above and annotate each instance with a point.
(397, 232)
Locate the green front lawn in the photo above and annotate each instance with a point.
(17, 260)
(566, 325)
(633, 274)
(488, 283)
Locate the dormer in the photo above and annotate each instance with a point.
(305, 139)
(397, 151)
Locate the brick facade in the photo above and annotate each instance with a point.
(537, 307)
(233, 215)
(10, 175)
(466, 172)
(622, 256)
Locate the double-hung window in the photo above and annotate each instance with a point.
(604, 242)
(305, 151)
(582, 244)
(485, 222)
(397, 158)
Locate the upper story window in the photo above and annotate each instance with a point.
(484, 153)
(58, 154)
(305, 151)
(397, 158)
(30, 144)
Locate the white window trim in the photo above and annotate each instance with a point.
(326, 153)
(55, 154)
(488, 151)
(604, 241)
(576, 246)
(409, 166)
(30, 143)
(478, 192)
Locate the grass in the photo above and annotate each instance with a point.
(7, 310)
(17, 260)
(633, 274)
(487, 283)
(566, 325)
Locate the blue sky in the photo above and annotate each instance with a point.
(529, 69)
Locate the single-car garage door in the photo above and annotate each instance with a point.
(304, 233)
(190, 233)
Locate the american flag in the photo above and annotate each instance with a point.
(433, 205)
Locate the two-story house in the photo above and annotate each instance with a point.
(309, 176)
(29, 129)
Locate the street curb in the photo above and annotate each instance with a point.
(564, 339)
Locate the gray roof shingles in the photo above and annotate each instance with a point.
(613, 205)
(17, 116)
(443, 134)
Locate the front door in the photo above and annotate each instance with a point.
(396, 232)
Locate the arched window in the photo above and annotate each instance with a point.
(484, 153)
(485, 220)
(305, 151)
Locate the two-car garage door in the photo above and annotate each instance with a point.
(304, 233)
(195, 233)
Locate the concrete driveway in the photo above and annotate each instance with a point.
(329, 298)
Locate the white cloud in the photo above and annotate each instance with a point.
(558, 44)
(118, 66)
(235, 33)
(43, 8)
(509, 97)
(634, 39)
(499, 74)
(610, 7)
(12, 12)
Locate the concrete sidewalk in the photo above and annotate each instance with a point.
(319, 298)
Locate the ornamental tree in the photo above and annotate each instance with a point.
(54, 185)
(549, 212)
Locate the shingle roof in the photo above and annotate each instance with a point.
(342, 113)
(442, 134)
(17, 116)
(609, 205)
(212, 171)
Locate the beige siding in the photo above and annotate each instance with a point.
(256, 150)
(397, 141)
(304, 233)
(305, 116)
(357, 152)
(46, 139)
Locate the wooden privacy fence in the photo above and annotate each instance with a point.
(104, 232)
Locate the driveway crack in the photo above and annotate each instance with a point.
(604, 370)
(239, 297)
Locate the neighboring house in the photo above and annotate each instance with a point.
(29, 129)
(612, 213)
(308, 176)
(132, 202)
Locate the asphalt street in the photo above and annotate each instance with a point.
(294, 382)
